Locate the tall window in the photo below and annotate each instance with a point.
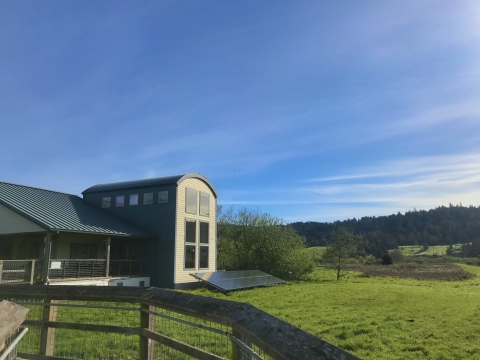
(203, 257)
(190, 243)
(133, 200)
(191, 201)
(106, 202)
(204, 204)
(119, 201)
(203, 233)
(203, 253)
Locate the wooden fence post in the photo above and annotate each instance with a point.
(47, 337)
(147, 321)
(1, 270)
(32, 272)
(236, 350)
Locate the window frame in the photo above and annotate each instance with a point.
(144, 198)
(130, 200)
(200, 257)
(163, 192)
(116, 200)
(190, 244)
(186, 201)
(200, 233)
(109, 202)
(200, 204)
(82, 244)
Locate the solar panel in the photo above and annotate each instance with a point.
(236, 280)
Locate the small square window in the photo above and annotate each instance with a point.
(148, 198)
(162, 196)
(120, 201)
(141, 283)
(133, 199)
(191, 201)
(106, 202)
(204, 204)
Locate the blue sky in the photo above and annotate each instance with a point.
(308, 110)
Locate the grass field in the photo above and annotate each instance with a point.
(380, 317)
(439, 250)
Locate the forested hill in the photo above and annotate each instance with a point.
(440, 226)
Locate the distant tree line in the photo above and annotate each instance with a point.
(439, 226)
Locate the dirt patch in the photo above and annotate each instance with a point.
(415, 271)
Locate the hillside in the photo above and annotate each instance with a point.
(439, 226)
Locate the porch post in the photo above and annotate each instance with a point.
(46, 255)
(107, 262)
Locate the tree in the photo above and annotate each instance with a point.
(343, 246)
(250, 240)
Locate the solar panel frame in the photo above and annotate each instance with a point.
(227, 281)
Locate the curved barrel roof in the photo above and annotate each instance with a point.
(135, 184)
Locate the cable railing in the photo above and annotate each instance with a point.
(78, 322)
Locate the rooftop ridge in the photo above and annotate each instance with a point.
(37, 188)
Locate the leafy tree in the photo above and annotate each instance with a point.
(252, 240)
(343, 246)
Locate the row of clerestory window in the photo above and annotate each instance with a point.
(133, 199)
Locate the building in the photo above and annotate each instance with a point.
(163, 228)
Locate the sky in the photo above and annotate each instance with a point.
(307, 110)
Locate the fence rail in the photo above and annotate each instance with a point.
(78, 322)
(91, 268)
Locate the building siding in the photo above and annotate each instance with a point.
(181, 275)
(12, 223)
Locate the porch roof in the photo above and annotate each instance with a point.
(58, 211)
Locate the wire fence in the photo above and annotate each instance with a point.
(17, 271)
(201, 334)
(128, 323)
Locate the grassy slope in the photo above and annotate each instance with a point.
(416, 250)
(380, 318)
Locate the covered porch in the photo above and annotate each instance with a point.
(62, 256)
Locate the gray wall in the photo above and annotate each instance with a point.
(159, 219)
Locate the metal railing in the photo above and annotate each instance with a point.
(92, 268)
(17, 271)
(76, 322)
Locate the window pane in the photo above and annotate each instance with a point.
(133, 200)
(83, 251)
(163, 196)
(106, 202)
(190, 257)
(148, 198)
(203, 257)
(120, 201)
(204, 204)
(191, 201)
(190, 232)
(204, 233)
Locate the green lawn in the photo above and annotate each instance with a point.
(379, 317)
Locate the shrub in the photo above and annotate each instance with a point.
(387, 259)
(396, 255)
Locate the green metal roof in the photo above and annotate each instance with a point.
(63, 212)
(135, 184)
